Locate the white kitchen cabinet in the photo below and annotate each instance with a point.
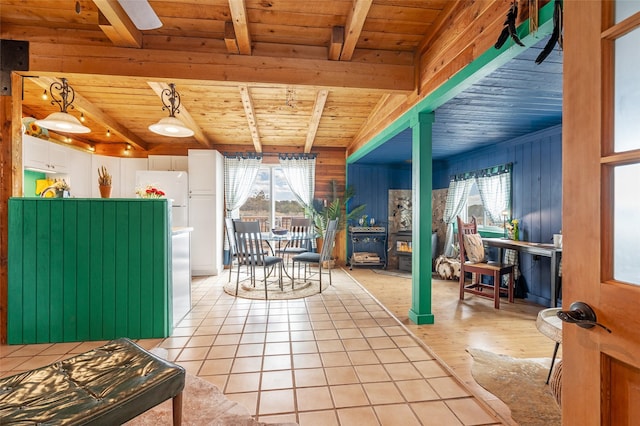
(203, 171)
(177, 163)
(206, 211)
(112, 164)
(79, 172)
(44, 156)
(128, 169)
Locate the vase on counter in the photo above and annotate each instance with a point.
(105, 191)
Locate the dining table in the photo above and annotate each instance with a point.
(279, 242)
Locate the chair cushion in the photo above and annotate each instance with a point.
(474, 248)
(271, 260)
(307, 257)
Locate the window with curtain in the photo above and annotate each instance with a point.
(489, 196)
(272, 201)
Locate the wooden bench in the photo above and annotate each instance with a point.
(105, 386)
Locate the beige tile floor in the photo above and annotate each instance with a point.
(336, 358)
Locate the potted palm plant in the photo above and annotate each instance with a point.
(335, 207)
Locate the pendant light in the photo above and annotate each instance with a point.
(171, 126)
(62, 121)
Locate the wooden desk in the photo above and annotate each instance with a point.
(534, 249)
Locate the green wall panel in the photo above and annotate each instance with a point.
(88, 269)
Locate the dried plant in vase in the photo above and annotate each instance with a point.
(104, 182)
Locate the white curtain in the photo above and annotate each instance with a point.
(456, 200)
(300, 173)
(495, 193)
(239, 175)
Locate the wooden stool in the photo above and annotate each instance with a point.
(550, 325)
(106, 386)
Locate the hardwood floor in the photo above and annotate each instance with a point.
(460, 324)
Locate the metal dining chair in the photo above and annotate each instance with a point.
(250, 253)
(300, 230)
(231, 238)
(309, 258)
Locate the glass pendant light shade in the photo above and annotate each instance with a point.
(171, 126)
(63, 122)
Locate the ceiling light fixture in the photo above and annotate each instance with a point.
(82, 117)
(108, 133)
(171, 126)
(62, 121)
(44, 96)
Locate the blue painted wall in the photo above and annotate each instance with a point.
(536, 193)
(372, 183)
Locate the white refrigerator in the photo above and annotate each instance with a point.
(176, 187)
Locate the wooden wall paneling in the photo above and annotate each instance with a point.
(42, 288)
(18, 240)
(84, 228)
(75, 275)
(161, 234)
(71, 270)
(109, 268)
(96, 269)
(146, 278)
(135, 267)
(122, 259)
(56, 279)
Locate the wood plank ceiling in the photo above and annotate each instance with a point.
(355, 53)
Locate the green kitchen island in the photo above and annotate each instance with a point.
(88, 269)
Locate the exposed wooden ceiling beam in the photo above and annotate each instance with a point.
(318, 108)
(175, 64)
(335, 45)
(247, 103)
(117, 25)
(241, 25)
(353, 27)
(183, 116)
(81, 104)
(230, 38)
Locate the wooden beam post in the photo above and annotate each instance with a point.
(421, 312)
(10, 182)
(241, 25)
(354, 25)
(335, 45)
(116, 24)
(230, 38)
